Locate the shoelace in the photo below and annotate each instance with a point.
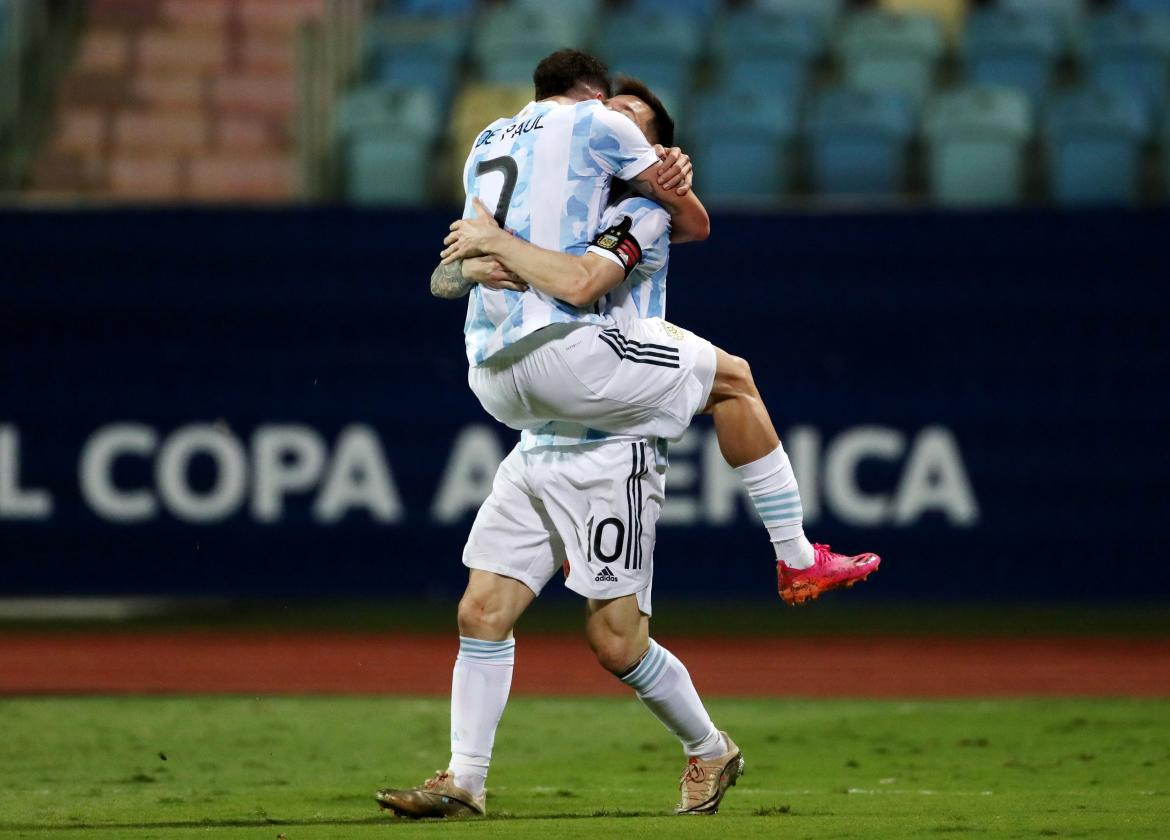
(692, 778)
(435, 780)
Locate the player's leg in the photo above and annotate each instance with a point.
(618, 631)
(604, 500)
(482, 677)
(511, 553)
(749, 443)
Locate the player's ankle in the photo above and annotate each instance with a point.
(795, 553)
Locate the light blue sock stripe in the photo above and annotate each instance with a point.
(465, 642)
(477, 650)
(648, 681)
(778, 508)
(777, 497)
(638, 676)
(649, 669)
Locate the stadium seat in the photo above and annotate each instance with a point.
(660, 49)
(741, 140)
(432, 73)
(1068, 15)
(415, 52)
(891, 52)
(385, 136)
(1005, 48)
(1093, 140)
(387, 170)
(824, 13)
(977, 138)
(1145, 5)
(678, 8)
(949, 13)
(510, 40)
(858, 141)
(437, 8)
(773, 48)
(1130, 51)
(375, 109)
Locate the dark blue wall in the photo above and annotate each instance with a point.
(1033, 347)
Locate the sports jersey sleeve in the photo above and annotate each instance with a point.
(618, 146)
(636, 232)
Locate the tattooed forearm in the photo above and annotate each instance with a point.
(447, 281)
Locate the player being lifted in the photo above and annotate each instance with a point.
(585, 483)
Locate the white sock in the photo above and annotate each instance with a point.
(479, 691)
(663, 684)
(771, 485)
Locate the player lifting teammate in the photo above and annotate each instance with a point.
(596, 386)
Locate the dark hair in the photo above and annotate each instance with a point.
(562, 71)
(663, 124)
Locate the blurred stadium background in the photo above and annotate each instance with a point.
(229, 405)
(223, 373)
(948, 101)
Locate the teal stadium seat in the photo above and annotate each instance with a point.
(436, 8)
(685, 8)
(660, 49)
(1068, 15)
(409, 51)
(1005, 48)
(1146, 5)
(775, 49)
(509, 40)
(385, 136)
(977, 138)
(741, 141)
(891, 52)
(9, 49)
(1093, 141)
(1130, 51)
(858, 141)
(825, 14)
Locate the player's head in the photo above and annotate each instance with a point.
(636, 101)
(572, 73)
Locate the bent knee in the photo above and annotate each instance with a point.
(481, 618)
(733, 378)
(617, 654)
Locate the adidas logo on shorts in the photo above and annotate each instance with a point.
(605, 576)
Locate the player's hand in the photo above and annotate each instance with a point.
(490, 272)
(676, 170)
(471, 237)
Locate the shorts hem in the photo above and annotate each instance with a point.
(474, 562)
(607, 595)
(706, 375)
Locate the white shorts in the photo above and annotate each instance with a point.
(645, 378)
(589, 510)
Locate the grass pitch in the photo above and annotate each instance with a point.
(306, 768)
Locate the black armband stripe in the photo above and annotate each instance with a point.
(620, 241)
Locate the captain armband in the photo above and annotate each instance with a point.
(620, 242)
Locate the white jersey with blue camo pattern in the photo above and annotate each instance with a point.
(546, 174)
(641, 295)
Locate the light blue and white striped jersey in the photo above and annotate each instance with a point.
(545, 174)
(641, 295)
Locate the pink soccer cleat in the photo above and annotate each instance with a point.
(828, 571)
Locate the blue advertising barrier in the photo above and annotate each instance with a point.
(271, 403)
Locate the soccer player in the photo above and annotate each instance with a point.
(556, 498)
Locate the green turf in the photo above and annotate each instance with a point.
(93, 769)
